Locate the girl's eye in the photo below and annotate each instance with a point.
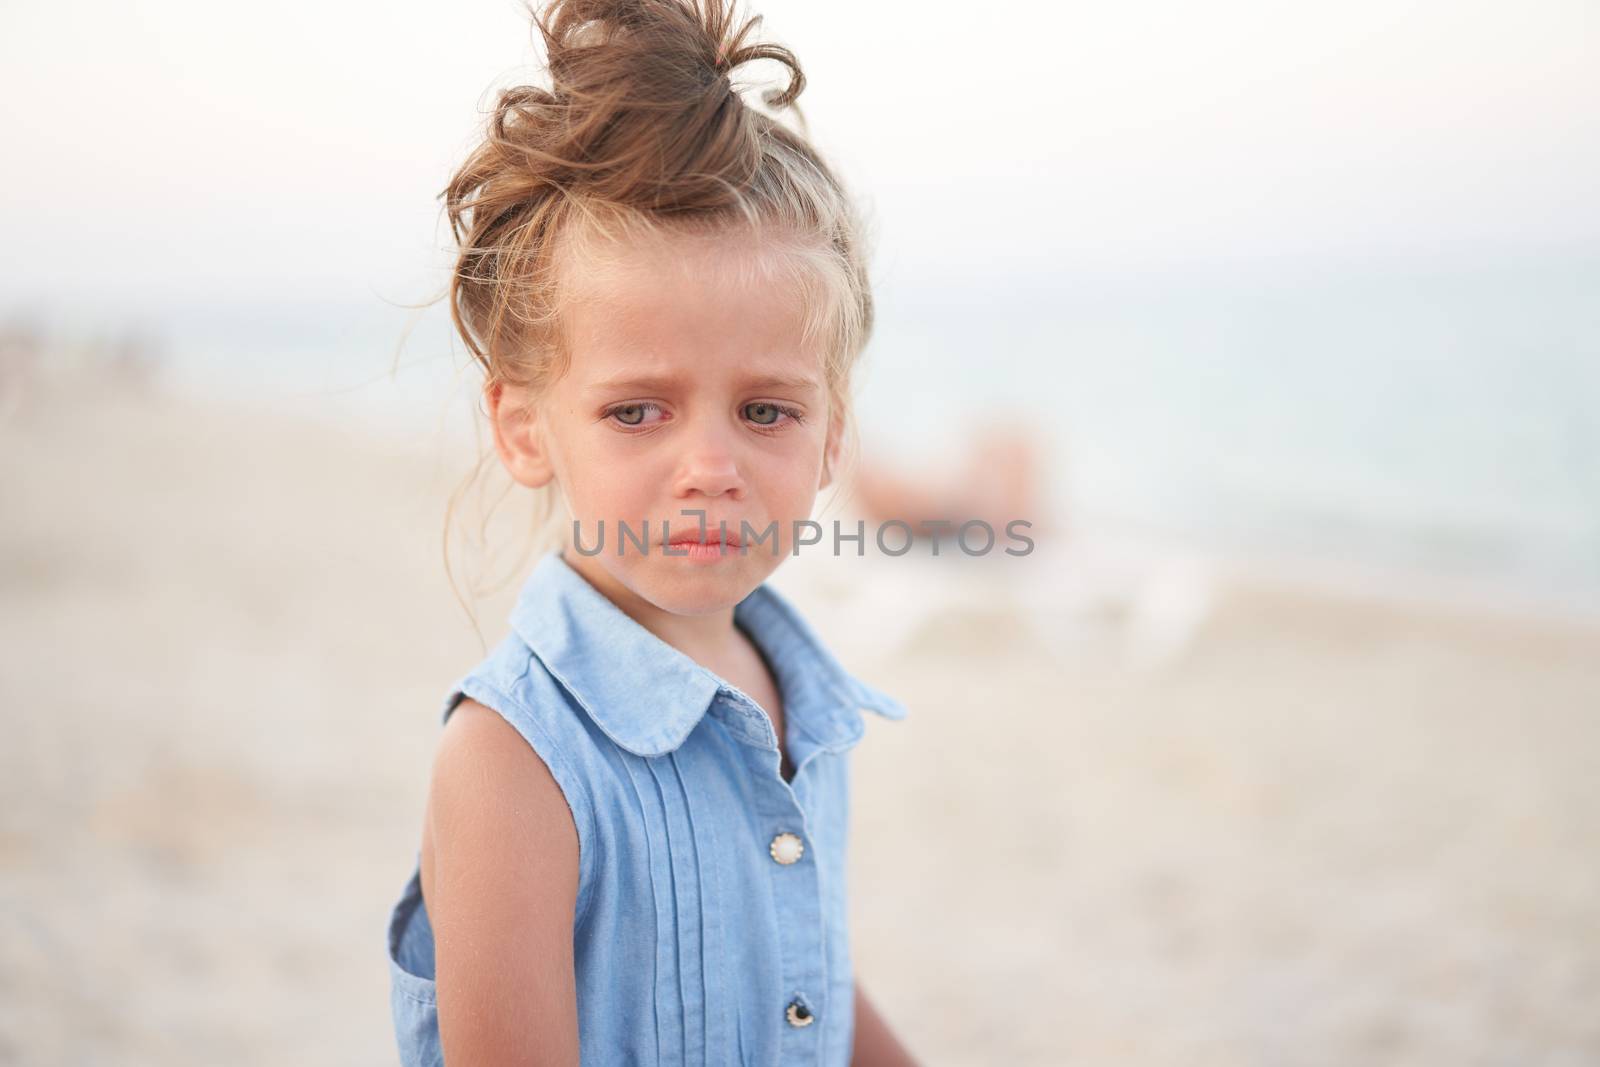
(764, 414)
(630, 414)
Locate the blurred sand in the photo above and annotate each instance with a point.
(1310, 831)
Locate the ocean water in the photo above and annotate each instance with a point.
(1440, 416)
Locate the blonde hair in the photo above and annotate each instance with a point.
(642, 135)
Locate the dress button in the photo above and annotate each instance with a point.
(798, 1014)
(786, 848)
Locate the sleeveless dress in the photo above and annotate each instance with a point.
(711, 924)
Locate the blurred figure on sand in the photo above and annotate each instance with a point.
(999, 483)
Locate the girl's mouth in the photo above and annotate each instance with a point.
(707, 547)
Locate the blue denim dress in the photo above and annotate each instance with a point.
(711, 922)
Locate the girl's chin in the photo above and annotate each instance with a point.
(693, 587)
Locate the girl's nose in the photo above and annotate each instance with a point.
(708, 467)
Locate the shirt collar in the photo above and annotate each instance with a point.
(647, 696)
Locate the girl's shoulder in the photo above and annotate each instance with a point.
(512, 682)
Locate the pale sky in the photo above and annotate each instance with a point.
(167, 152)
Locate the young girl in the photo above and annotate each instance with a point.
(634, 849)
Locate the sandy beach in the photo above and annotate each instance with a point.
(1228, 820)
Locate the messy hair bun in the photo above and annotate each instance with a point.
(642, 131)
(644, 112)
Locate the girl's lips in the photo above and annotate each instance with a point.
(696, 551)
(703, 544)
(711, 537)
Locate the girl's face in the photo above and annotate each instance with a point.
(688, 390)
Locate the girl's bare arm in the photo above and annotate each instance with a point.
(875, 1044)
(500, 880)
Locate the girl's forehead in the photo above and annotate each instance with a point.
(698, 301)
(621, 271)
(658, 366)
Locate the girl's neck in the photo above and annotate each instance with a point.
(709, 639)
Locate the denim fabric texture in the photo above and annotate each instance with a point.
(693, 944)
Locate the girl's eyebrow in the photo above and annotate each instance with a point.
(663, 382)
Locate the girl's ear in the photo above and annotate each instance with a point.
(831, 450)
(516, 436)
